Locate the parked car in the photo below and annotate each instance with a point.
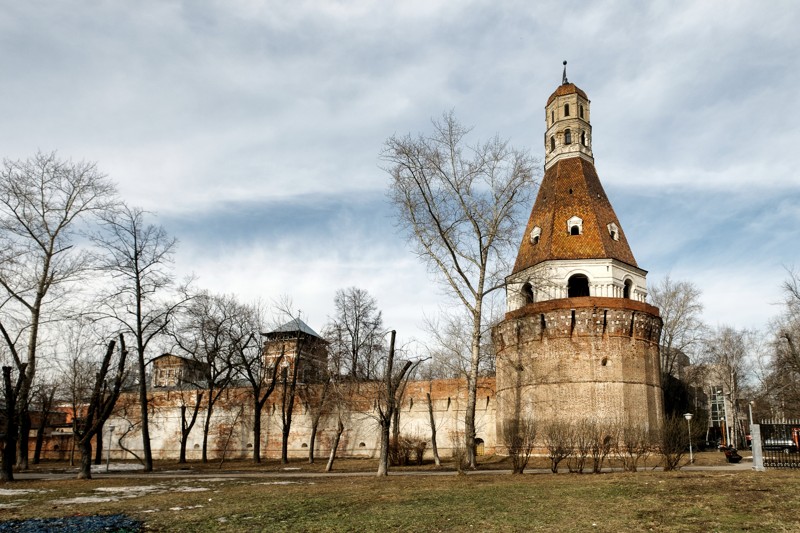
(780, 444)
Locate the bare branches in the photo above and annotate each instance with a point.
(682, 331)
(42, 201)
(355, 335)
(459, 206)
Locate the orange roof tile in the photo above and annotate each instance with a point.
(571, 188)
(567, 88)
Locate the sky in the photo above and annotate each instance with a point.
(253, 130)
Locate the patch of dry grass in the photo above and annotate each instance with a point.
(652, 501)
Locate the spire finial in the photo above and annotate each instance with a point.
(564, 79)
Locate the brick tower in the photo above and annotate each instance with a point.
(578, 340)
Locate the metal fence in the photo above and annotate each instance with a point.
(779, 442)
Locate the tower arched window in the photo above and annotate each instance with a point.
(527, 293)
(552, 117)
(626, 289)
(567, 137)
(577, 286)
(566, 110)
(583, 138)
(580, 111)
(552, 143)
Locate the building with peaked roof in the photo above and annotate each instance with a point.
(295, 343)
(578, 340)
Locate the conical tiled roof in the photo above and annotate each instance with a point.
(571, 188)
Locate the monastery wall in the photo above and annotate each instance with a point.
(232, 420)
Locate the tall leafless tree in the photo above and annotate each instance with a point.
(207, 331)
(354, 334)
(251, 363)
(782, 379)
(43, 203)
(460, 206)
(138, 255)
(729, 352)
(682, 330)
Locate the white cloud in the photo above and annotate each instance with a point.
(193, 106)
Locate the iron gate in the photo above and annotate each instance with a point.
(780, 443)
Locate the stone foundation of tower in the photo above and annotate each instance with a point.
(582, 358)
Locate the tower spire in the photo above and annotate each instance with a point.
(564, 79)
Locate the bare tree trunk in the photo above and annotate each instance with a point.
(434, 446)
(10, 444)
(148, 453)
(86, 460)
(313, 439)
(47, 406)
(37, 451)
(186, 426)
(383, 459)
(207, 428)
(335, 446)
(386, 411)
(184, 435)
(98, 448)
(24, 434)
(472, 384)
(258, 407)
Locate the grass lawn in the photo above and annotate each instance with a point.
(643, 501)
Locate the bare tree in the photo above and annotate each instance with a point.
(682, 330)
(558, 436)
(582, 444)
(603, 437)
(43, 201)
(634, 444)
(138, 255)
(354, 334)
(460, 207)
(207, 331)
(519, 435)
(675, 439)
(782, 379)
(729, 352)
(104, 394)
(388, 401)
(251, 363)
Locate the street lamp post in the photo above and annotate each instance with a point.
(688, 417)
(750, 427)
(108, 450)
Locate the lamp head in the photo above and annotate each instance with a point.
(688, 416)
